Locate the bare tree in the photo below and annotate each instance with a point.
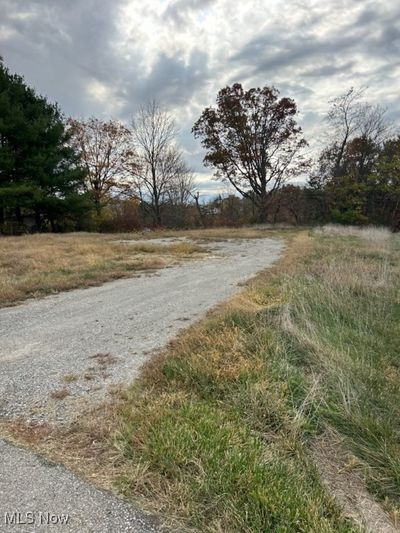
(349, 118)
(106, 151)
(162, 170)
(196, 198)
(182, 188)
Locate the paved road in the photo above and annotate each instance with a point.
(79, 342)
(36, 495)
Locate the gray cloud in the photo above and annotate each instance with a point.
(295, 50)
(59, 46)
(328, 70)
(171, 80)
(107, 57)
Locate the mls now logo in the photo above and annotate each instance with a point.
(17, 518)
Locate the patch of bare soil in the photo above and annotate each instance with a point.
(339, 474)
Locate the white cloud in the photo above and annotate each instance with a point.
(107, 58)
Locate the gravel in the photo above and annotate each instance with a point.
(64, 351)
(58, 352)
(37, 495)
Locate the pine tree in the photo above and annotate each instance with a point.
(40, 175)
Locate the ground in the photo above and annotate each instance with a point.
(60, 352)
(70, 347)
(284, 399)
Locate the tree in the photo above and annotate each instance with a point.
(349, 118)
(105, 149)
(252, 140)
(40, 175)
(182, 188)
(179, 196)
(196, 198)
(341, 184)
(291, 205)
(162, 169)
(383, 186)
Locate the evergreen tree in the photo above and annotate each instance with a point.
(40, 175)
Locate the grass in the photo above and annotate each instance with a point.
(217, 433)
(212, 434)
(37, 265)
(223, 233)
(42, 264)
(60, 394)
(342, 323)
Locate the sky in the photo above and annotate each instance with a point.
(108, 57)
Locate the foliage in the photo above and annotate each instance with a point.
(106, 152)
(100, 175)
(357, 178)
(252, 140)
(40, 175)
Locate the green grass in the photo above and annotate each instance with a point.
(211, 467)
(221, 424)
(217, 433)
(345, 318)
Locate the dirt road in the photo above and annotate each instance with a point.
(67, 349)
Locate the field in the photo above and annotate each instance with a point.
(37, 265)
(278, 412)
(41, 264)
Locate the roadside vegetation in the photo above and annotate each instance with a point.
(225, 430)
(246, 422)
(61, 175)
(218, 429)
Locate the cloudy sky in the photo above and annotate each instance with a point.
(107, 57)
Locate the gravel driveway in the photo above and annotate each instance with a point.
(65, 350)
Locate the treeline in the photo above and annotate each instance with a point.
(60, 174)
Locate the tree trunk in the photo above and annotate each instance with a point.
(97, 206)
(38, 220)
(262, 211)
(20, 220)
(198, 207)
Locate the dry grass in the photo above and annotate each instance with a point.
(70, 378)
(60, 394)
(369, 233)
(36, 265)
(205, 436)
(340, 473)
(216, 433)
(222, 233)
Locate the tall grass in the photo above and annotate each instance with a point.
(221, 423)
(375, 234)
(344, 317)
(216, 435)
(213, 434)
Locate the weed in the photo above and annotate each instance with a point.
(60, 394)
